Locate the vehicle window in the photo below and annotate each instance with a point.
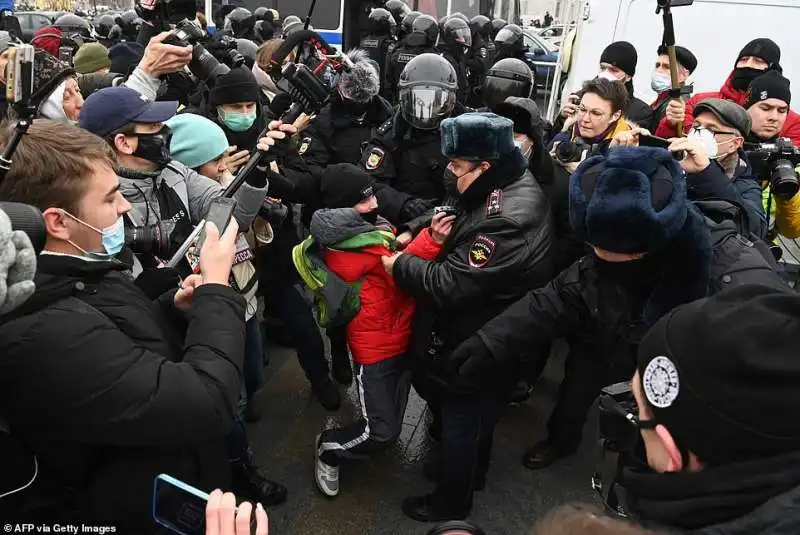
(40, 21)
(24, 21)
(325, 17)
(533, 46)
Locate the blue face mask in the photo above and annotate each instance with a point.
(236, 121)
(113, 238)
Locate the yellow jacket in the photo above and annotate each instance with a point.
(786, 212)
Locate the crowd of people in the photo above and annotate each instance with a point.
(435, 227)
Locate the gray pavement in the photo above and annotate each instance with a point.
(372, 490)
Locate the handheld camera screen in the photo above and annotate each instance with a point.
(178, 506)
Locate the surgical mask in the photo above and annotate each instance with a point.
(606, 75)
(113, 238)
(660, 82)
(236, 121)
(154, 147)
(705, 138)
(521, 146)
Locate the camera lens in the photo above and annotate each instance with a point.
(784, 181)
(205, 66)
(150, 239)
(569, 151)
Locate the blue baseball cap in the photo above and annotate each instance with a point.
(113, 107)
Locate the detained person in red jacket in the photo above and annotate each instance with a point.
(757, 57)
(353, 239)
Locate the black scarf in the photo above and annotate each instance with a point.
(503, 172)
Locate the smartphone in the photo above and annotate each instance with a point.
(448, 210)
(178, 506)
(19, 73)
(219, 213)
(660, 142)
(65, 54)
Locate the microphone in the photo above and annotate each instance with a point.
(281, 102)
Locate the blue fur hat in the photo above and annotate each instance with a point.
(477, 136)
(631, 201)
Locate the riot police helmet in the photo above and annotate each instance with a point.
(398, 9)
(427, 26)
(104, 25)
(497, 25)
(508, 77)
(239, 22)
(456, 35)
(510, 36)
(381, 22)
(70, 24)
(260, 13)
(406, 26)
(291, 24)
(459, 15)
(481, 25)
(427, 91)
(248, 49)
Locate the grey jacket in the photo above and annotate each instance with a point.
(195, 191)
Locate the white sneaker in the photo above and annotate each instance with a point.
(326, 476)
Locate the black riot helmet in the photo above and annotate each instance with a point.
(248, 49)
(427, 26)
(442, 20)
(239, 22)
(456, 35)
(408, 22)
(381, 22)
(260, 13)
(129, 22)
(481, 25)
(427, 91)
(398, 9)
(459, 15)
(510, 38)
(508, 77)
(290, 24)
(70, 24)
(497, 25)
(104, 25)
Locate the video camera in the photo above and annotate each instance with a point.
(776, 162)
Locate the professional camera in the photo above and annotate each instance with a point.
(776, 162)
(618, 414)
(203, 64)
(152, 239)
(572, 151)
(226, 49)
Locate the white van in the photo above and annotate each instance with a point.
(714, 30)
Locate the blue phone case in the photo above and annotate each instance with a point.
(169, 480)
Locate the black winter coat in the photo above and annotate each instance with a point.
(498, 249)
(613, 314)
(107, 394)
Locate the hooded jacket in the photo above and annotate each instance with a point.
(760, 496)
(791, 128)
(108, 390)
(382, 327)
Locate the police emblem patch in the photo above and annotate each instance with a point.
(481, 251)
(374, 159)
(660, 382)
(483, 52)
(304, 146)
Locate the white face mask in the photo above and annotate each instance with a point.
(606, 75)
(660, 82)
(706, 139)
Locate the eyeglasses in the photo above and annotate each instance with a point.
(595, 113)
(714, 132)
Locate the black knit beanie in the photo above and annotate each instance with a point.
(239, 85)
(621, 54)
(344, 185)
(763, 48)
(768, 85)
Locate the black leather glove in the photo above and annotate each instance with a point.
(470, 365)
(154, 282)
(414, 208)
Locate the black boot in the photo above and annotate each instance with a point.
(250, 485)
(340, 364)
(327, 394)
(432, 508)
(544, 454)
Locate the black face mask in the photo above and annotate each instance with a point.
(629, 273)
(355, 109)
(742, 76)
(154, 147)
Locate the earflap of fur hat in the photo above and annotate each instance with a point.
(362, 82)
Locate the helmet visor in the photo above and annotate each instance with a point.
(496, 90)
(506, 36)
(462, 36)
(424, 106)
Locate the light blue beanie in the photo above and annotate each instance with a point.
(195, 140)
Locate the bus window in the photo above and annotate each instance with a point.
(326, 13)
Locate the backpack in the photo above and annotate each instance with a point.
(336, 302)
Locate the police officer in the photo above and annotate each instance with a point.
(499, 245)
(406, 25)
(421, 40)
(455, 44)
(398, 9)
(497, 25)
(267, 22)
(405, 156)
(74, 26)
(363, 24)
(350, 120)
(380, 37)
(290, 23)
(103, 29)
(510, 43)
(481, 57)
(240, 23)
(508, 77)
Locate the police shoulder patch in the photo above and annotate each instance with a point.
(481, 251)
(660, 382)
(374, 158)
(483, 52)
(304, 146)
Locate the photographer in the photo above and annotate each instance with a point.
(165, 194)
(717, 415)
(651, 250)
(598, 118)
(767, 104)
(100, 382)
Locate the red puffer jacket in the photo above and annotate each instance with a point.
(382, 327)
(791, 128)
